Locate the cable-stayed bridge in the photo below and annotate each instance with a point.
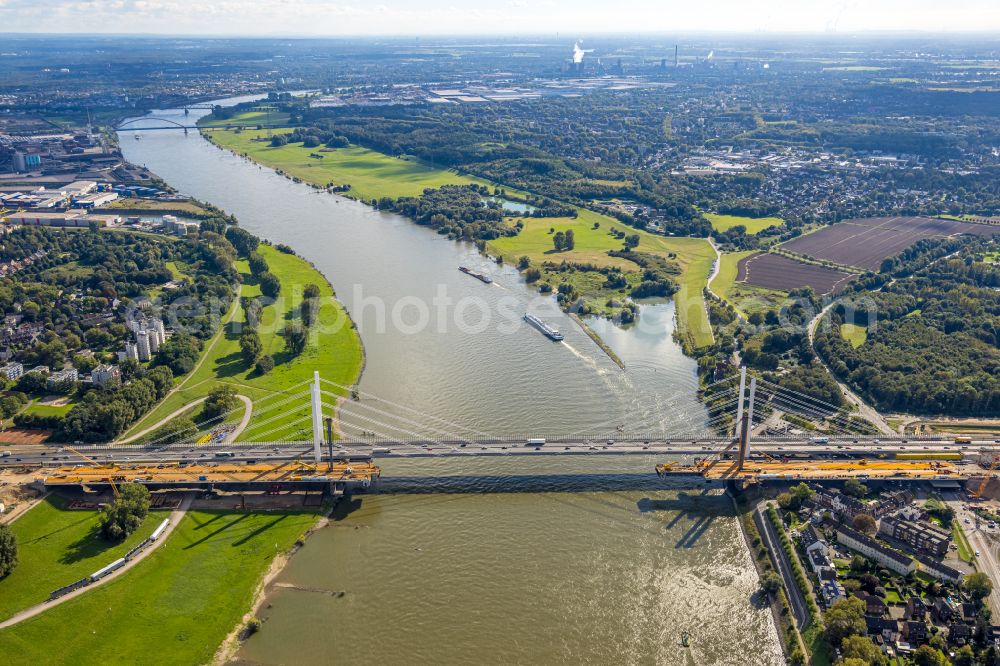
(747, 428)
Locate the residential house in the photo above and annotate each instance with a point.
(915, 632)
(887, 628)
(891, 559)
(939, 570)
(12, 371)
(959, 633)
(916, 609)
(921, 536)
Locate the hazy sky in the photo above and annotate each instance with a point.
(359, 17)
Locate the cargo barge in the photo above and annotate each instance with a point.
(549, 332)
(479, 276)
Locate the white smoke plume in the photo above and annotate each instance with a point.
(577, 54)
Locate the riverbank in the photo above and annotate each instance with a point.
(175, 607)
(333, 347)
(375, 175)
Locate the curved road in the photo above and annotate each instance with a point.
(865, 410)
(175, 518)
(247, 413)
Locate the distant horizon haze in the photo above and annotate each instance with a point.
(401, 18)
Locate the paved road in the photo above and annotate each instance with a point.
(983, 543)
(773, 543)
(175, 518)
(865, 410)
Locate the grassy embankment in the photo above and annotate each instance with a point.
(57, 547)
(334, 349)
(372, 175)
(174, 607)
(965, 552)
(854, 334)
(753, 225)
(746, 298)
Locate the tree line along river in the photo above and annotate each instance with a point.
(556, 560)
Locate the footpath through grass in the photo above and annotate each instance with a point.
(333, 348)
(965, 552)
(175, 607)
(369, 173)
(57, 547)
(753, 225)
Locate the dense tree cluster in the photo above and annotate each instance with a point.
(126, 513)
(932, 344)
(456, 210)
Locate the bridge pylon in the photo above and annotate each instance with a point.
(746, 425)
(316, 393)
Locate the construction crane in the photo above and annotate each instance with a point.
(114, 486)
(986, 479)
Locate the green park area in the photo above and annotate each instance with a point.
(174, 607)
(753, 225)
(58, 546)
(746, 298)
(333, 348)
(854, 334)
(369, 173)
(694, 256)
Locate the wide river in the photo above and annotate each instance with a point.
(507, 561)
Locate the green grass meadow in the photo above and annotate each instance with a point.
(754, 225)
(369, 173)
(333, 348)
(174, 607)
(57, 547)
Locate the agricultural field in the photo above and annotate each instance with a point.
(774, 271)
(866, 243)
(335, 351)
(59, 546)
(369, 173)
(753, 225)
(746, 298)
(174, 607)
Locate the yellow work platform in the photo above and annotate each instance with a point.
(806, 470)
(354, 472)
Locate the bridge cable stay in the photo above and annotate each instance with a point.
(200, 425)
(678, 394)
(359, 404)
(283, 414)
(843, 424)
(390, 427)
(824, 406)
(284, 427)
(697, 429)
(834, 428)
(657, 408)
(360, 393)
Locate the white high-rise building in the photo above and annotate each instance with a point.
(142, 342)
(154, 340)
(157, 325)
